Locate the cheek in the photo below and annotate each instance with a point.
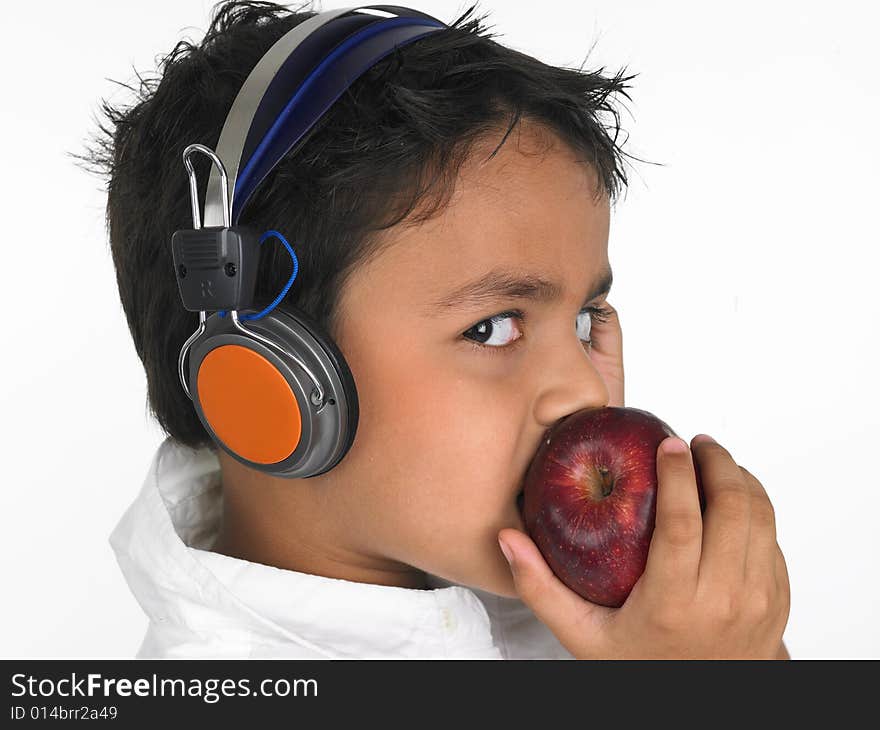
(437, 450)
(435, 410)
(447, 445)
(432, 402)
(466, 469)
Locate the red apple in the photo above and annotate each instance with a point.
(589, 499)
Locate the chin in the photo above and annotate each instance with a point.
(499, 581)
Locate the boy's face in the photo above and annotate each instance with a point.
(447, 428)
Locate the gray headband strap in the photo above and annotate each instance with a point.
(238, 121)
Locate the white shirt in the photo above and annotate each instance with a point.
(203, 604)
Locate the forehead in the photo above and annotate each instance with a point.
(532, 208)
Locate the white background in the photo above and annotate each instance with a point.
(745, 267)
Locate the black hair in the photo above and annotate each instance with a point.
(386, 152)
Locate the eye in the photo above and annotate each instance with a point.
(494, 334)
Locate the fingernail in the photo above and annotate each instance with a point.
(674, 445)
(506, 550)
(701, 437)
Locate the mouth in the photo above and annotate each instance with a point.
(520, 499)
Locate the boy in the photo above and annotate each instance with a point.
(450, 214)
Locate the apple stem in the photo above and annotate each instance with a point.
(607, 483)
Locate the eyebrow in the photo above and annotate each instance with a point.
(502, 284)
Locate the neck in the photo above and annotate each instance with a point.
(292, 524)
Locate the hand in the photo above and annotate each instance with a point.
(606, 353)
(715, 587)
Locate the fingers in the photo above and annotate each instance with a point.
(782, 583)
(606, 353)
(761, 559)
(726, 521)
(766, 574)
(573, 620)
(674, 554)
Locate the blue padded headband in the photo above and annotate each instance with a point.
(292, 86)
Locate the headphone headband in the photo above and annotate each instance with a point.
(319, 60)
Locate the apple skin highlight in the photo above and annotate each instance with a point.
(589, 499)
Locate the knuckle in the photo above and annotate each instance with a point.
(681, 528)
(731, 497)
(749, 476)
(785, 606)
(784, 582)
(672, 467)
(761, 604)
(761, 504)
(782, 564)
(666, 619)
(725, 608)
(764, 513)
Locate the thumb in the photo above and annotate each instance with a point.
(576, 622)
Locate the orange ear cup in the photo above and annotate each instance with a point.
(249, 404)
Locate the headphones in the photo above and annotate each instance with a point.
(276, 394)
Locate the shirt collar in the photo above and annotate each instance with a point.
(163, 545)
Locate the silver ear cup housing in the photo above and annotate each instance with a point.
(328, 430)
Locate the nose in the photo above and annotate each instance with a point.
(570, 382)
